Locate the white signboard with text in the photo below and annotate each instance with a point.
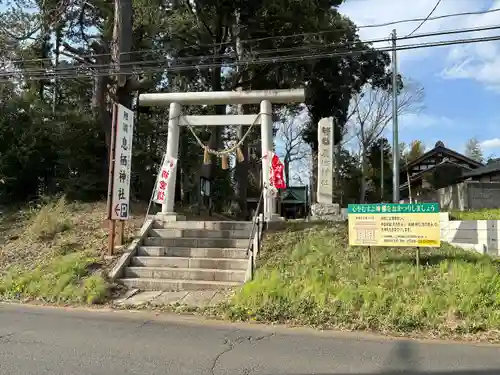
(325, 160)
(164, 178)
(124, 133)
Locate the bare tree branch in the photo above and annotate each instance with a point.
(372, 112)
(295, 150)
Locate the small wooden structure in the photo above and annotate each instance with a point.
(294, 202)
(437, 168)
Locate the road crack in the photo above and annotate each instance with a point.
(145, 323)
(6, 337)
(268, 336)
(231, 344)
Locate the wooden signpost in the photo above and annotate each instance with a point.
(120, 168)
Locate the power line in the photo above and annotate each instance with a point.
(369, 26)
(375, 25)
(193, 59)
(426, 18)
(310, 34)
(265, 60)
(392, 23)
(291, 58)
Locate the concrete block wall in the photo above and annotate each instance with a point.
(483, 195)
(468, 195)
(479, 235)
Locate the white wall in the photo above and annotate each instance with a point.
(479, 235)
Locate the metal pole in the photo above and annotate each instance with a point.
(382, 143)
(395, 141)
(408, 181)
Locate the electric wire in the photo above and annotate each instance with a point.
(292, 58)
(262, 52)
(166, 64)
(142, 51)
(425, 19)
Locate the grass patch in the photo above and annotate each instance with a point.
(51, 219)
(55, 252)
(63, 279)
(484, 214)
(313, 278)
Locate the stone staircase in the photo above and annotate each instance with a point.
(190, 255)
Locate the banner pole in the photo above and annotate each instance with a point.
(111, 169)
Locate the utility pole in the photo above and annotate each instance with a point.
(382, 168)
(121, 48)
(395, 141)
(122, 45)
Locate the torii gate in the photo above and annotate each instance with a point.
(178, 99)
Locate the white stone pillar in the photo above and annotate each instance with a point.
(266, 127)
(172, 152)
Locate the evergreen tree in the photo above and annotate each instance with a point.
(473, 150)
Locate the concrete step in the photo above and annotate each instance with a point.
(199, 233)
(196, 242)
(194, 252)
(185, 274)
(180, 262)
(166, 285)
(210, 225)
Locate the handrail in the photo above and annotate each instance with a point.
(252, 232)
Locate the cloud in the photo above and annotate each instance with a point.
(491, 143)
(365, 12)
(478, 61)
(424, 120)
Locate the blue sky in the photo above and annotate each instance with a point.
(461, 83)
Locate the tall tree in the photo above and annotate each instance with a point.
(212, 35)
(473, 150)
(68, 62)
(417, 149)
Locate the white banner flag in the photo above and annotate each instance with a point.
(163, 179)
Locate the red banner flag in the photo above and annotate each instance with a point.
(276, 173)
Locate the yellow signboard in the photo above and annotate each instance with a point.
(405, 225)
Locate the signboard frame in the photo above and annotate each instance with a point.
(394, 225)
(118, 203)
(122, 162)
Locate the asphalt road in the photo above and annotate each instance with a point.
(35, 340)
